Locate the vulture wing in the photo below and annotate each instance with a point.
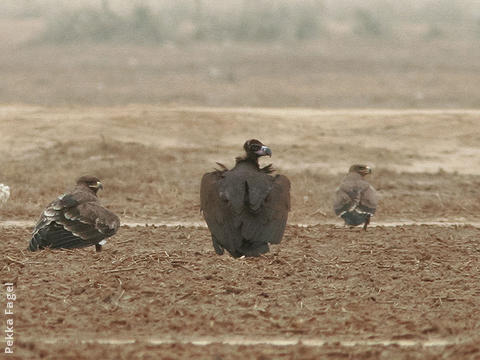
(74, 220)
(277, 206)
(245, 209)
(213, 207)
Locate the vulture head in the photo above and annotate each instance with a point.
(360, 169)
(255, 149)
(91, 182)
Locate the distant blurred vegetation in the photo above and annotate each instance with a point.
(103, 25)
(180, 21)
(257, 20)
(365, 23)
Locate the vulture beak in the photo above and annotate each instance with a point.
(265, 150)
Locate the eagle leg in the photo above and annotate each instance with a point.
(367, 221)
(98, 247)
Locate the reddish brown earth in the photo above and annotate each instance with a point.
(391, 283)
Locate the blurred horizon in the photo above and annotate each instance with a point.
(303, 53)
(243, 20)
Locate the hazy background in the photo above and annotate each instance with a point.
(283, 53)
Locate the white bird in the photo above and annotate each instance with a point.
(4, 193)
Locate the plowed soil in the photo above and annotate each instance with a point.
(322, 282)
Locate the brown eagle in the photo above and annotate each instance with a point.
(245, 208)
(356, 199)
(75, 220)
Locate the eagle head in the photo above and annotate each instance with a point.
(92, 182)
(360, 169)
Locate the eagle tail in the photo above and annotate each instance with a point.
(55, 236)
(354, 218)
(35, 243)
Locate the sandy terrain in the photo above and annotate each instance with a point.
(325, 291)
(151, 159)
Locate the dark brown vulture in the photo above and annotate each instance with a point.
(356, 199)
(245, 208)
(75, 220)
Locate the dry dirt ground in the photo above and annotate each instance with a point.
(414, 283)
(392, 292)
(151, 159)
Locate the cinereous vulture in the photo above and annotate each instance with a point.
(75, 220)
(356, 199)
(245, 208)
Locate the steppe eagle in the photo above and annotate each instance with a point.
(356, 200)
(75, 220)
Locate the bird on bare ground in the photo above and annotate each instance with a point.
(355, 199)
(75, 220)
(246, 207)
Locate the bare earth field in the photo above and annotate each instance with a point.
(408, 291)
(156, 287)
(151, 159)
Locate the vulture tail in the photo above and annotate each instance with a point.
(254, 249)
(216, 245)
(54, 236)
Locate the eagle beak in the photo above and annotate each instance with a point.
(265, 150)
(98, 185)
(369, 170)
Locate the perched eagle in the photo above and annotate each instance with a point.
(356, 199)
(245, 208)
(4, 193)
(75, 220)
